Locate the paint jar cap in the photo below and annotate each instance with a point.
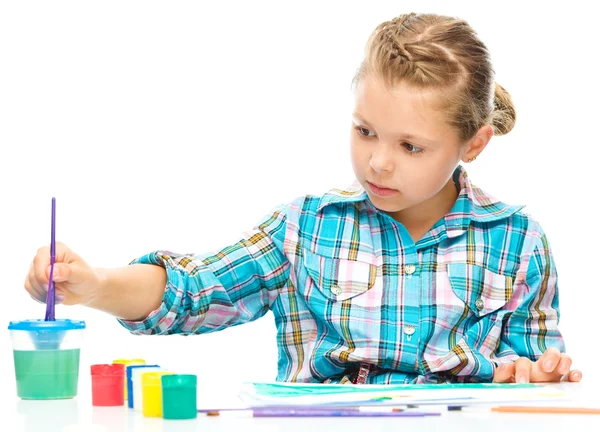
(39, 324)
(108, 370)
(153, 378)
(128, 362)
(179, 380)
(130, 369)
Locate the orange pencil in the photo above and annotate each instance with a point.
(546, 410)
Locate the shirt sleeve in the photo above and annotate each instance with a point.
(532, 326)
(213, 291)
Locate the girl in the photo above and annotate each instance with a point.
(410, 275)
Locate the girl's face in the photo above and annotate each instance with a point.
(400, 142)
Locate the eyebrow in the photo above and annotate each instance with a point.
(408, 137)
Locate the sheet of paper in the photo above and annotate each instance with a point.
(282, 394)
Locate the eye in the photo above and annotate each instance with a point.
(364, 131)
(411, 149)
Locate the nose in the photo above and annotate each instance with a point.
(381, 159)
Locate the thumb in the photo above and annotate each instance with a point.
(62, 272)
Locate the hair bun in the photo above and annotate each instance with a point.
(504, 115)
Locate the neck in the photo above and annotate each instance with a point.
(419, 219)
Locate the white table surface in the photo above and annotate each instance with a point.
(79, 415)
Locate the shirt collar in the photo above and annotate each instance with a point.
(472, 203)
(353, 193)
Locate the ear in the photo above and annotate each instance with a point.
(476, 144)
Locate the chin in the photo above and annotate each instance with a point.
(386, 205)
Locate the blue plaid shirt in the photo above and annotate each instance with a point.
(348, 285)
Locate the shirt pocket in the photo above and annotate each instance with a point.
(339, 279)
(482, 290)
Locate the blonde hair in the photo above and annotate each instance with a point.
(428, 51)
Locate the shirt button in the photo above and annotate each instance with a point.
(410, 269)
(336, 290)
(409, 330)
(479, 304)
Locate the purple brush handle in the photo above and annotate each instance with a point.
(51, 298)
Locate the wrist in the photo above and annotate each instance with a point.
(97, 292)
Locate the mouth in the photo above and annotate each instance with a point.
(381, 190)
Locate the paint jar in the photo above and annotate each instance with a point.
(128, 372)
(152, 393)
(128, 362)
(136, 380)
(46, 357)
(179, 397)
(107, 384)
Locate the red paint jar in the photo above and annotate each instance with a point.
(107, 384)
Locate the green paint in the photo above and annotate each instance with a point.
(47, 374)
(179, 403)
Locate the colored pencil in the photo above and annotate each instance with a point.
(546, 410)
(314, 412)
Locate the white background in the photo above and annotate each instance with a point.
(178, 125)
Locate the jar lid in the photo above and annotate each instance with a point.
(39, 324)
(153, 378)
(131, 369)
(108, 369)
(179, 380)
(129, 362)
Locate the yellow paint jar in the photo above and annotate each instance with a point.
(128, 362)
(152, 393)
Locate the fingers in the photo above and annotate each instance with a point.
(61, 272)
(550, 367)
(523, 370)
(36, 282)
(505, 373)
(564, 365)
(38, 292)
(519, 371)
(41, 261)
(550, 360)
(33, 287)
(574, 376)
(64, 254)
(554, 366)
(32, 293)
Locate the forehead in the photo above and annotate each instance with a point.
(401, 109)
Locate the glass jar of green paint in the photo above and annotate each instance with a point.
(179, 396)
(46, 357)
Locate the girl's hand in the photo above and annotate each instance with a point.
(552, 366)
(75, 281)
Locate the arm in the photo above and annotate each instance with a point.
(531, 346)
(209, 292)
(130, 293)
(532, 327)
(170, 293)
